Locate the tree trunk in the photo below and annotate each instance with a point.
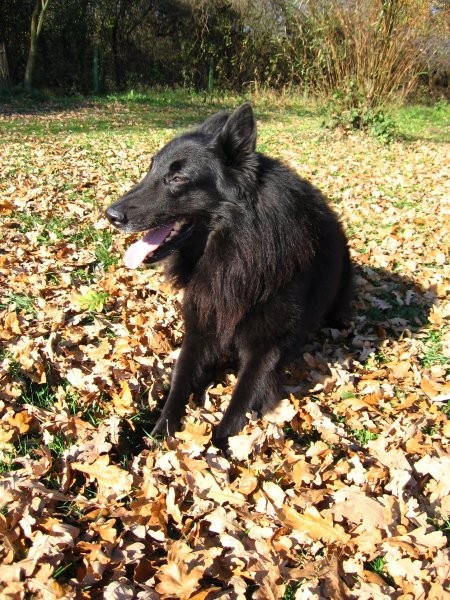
(37, 19)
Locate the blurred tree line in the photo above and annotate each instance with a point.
(360, 49)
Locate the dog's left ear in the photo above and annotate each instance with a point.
(237, 140)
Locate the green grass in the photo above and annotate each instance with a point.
(415, 313)
(377, 565)
(363, 435)
(433, 350)
(289, 593)
(22, 302)
(419, 122)
(59, 444)
(37, 394)
(442, 525)
(58, 228)
(177, 109)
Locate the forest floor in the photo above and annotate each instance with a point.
(342, 492)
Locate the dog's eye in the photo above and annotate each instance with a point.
(177, 179)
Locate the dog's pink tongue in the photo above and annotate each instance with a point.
(138, 251)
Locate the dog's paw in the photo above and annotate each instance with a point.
(219, 441)
(163, 428)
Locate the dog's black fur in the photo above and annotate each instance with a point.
(260, 255)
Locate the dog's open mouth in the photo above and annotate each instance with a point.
(157, 243)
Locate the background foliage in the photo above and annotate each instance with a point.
(369, 49)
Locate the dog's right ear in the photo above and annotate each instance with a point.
(237, 140)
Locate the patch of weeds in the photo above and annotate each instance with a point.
(36, 394)
(52, 481)
(57, 226)
(348, 110)
(72, 399)
(7, 464)
(27, 445)
(379, 566)
(445, 408)
(403, 203)
(49, 229)
(363, 436)
(102, 251)
(93, 413)
(27, 221)
(134, 433)
(22, 302)
(52, 278)
(433, 350)
(339, 419)
(415, 313)
(443, 526)
(93, 301)
(59, 444)
(430, 430)
(101, 239)
(82, 276)
(289, 592)
(70, 510)
(12, 365)
(90, 492)
(380, 125)
(84, 237)
(66, 569)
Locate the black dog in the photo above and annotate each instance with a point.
(261, 256)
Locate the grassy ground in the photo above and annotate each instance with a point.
(342, 493)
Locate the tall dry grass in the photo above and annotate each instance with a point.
(367, 50)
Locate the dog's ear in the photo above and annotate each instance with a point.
(214, 124)
(237, 140)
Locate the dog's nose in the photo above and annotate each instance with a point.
(115, 216)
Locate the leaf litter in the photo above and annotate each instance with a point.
(341, 492)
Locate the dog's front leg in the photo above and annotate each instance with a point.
(191, 375)
(257, 388)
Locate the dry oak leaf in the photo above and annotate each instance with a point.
(302, 472)
(112, 481)
(123, 400)
(176, 580)
(242, 445)
(313, 524)
(284, 412)
(356, 507)
(11, 325)
(420, 540)
(195, 433)
(21, 421)
(206, 486)
(106, 530)
(119, 590)
(179, 578)
(439, 469)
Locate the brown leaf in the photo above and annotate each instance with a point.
(113, 482)
(313, 524)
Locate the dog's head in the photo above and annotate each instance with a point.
(188, 180)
